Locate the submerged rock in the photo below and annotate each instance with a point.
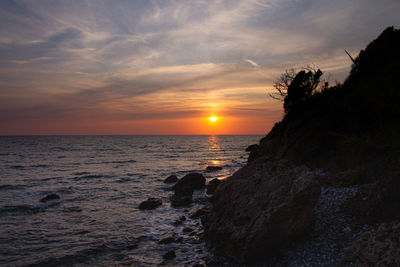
(381, 248)
(191, 181)
(187, 229)
(212, 185)
(50, 197)
(150, 204)
(258, 211)
(169, 255)
(213, 168)
(180, 220)
(168, 238)
(171, 179)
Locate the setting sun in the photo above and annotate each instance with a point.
(213, 118)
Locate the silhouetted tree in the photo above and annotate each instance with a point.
(301, 88)
(293, 89)
(282, 83)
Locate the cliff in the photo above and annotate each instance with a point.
(345, 135)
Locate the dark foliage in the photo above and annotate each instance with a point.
(300, 89)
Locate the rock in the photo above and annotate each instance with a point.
(198, 213)
(171, 179)
(183, 196)
(167, 238)
(212, 185)
(251, 147)
(180, 201)
(381, 248)
(50, 197)
(180, 220)
(376, 202)
(169, 255)
(191, 181)
(150, 204)
(187, 230)
(132, 246)
(213, 168)
(258, 211)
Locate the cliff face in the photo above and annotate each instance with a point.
(350, 131)
(261, 208)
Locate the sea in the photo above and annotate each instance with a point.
(101, 180)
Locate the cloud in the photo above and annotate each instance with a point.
(127, 59)
(252, 63)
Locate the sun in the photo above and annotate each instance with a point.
(213, 118)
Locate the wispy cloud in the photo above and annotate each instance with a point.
(170, 59)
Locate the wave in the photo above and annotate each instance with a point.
(84, 256)
(81, 173)
(91, 176)
(26, 209)
(11, 187)
(17, 167)
(123, 161)
(40, 166)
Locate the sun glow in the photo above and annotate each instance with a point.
(213, 118)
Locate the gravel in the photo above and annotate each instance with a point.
(332, 234)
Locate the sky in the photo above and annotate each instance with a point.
(165, 67)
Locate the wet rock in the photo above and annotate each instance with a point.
(183, 196)
(169, 255)
(198, 213)
(168, 238)
(50, 197)
(180, 220)
(181, 200)
(191, 181)
(72, 209)
(150, 203)
(187, 230)
(251, 147)
(381, 248)
(132, 246)
(213, 168)
(171, 179)
(212, 185)
(258, 211)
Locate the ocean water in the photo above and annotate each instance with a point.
(101, 181)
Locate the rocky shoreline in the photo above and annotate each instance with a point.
(322, 188)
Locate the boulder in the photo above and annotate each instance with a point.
(169, 255)
(191, 181)
(258, 210)
(50, 197)
(181, 200)
(150, 204)
(212, 185)
(381, 248)
(183, 196)
(171, 179)
(213, 168)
